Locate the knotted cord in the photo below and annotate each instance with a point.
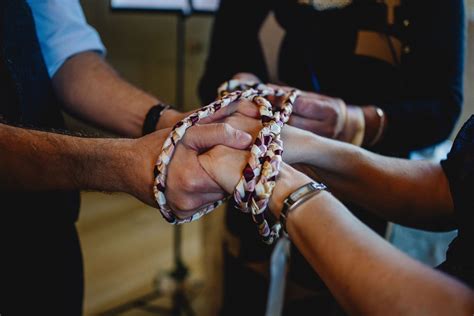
(255, 187)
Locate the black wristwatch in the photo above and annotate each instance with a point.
(152, 118)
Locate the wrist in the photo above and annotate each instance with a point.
(121, 165)
(288, 181)
(297, 198)
(169, 118)
(298, 143)
(141, 155)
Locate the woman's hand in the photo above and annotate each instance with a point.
(224, 165)
(295, 140)
(327, 116)
(243, 107)
(319, 114)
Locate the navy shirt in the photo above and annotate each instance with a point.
(459, 169)
(41, 257)
(28, 100)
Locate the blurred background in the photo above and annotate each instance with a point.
(126, 244)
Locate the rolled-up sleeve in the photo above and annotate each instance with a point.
(63, 31)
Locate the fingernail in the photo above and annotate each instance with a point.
(244, 137)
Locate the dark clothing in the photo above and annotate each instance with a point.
(459, 169)
(422, 97)
(420, 92)
(30, 102)
(255, 288)
(41, 258)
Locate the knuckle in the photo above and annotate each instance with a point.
(185, 204)
(228, 130)
(231, 120)
(189, 182)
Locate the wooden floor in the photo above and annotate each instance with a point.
(127, 244)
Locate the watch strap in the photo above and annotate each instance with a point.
(152, 118)
(296, 198)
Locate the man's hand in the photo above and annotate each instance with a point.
(188, 186)
(224, 165)
(318, 113)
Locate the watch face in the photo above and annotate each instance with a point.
(301, 191)
(296, 195)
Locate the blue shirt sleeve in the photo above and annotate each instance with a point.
(63, 31)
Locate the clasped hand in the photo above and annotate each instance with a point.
(208, 161)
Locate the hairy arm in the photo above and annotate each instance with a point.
(92, 90)
(34, 160)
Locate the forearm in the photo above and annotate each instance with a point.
(92, 90)
(414, 193)
(34, 160)
(365, 273)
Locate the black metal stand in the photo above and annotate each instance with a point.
(181, 304)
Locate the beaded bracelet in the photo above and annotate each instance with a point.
(255, 187)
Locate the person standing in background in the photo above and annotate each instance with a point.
(52, 60)
(386, 75)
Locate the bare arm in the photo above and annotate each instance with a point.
(414, 193)
(366, 274)
(92, 90)
(34, 160)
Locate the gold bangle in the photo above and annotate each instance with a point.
(359, 133)
(381, 114)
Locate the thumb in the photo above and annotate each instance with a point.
(203, 137)
(244, 107)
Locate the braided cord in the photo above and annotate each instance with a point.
(255, 187)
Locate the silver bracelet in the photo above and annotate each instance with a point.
(296, 198)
